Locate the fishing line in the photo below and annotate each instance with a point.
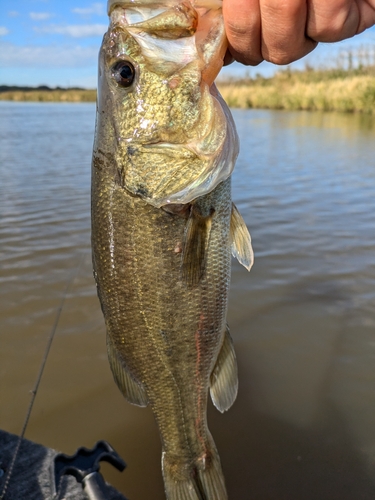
(39, 377)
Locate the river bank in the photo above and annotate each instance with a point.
(310, 90)
(46, 94)
(335, 89)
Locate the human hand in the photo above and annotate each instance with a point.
(282, 31)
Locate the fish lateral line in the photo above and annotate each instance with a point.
(161, 215)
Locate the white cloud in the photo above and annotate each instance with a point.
(74, 30)
(3, 31)
(40, 16)
(13, 13)
(95, 8)
(56, 56)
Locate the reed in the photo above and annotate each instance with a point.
(315, 90)
(338, 89)
(50, 95)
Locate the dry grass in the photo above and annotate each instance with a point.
(49, 95)
(324, 90)
(330, 90)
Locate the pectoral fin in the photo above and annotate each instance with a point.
(224, 378)
(131, 389)
(241, 240)
(197, 237)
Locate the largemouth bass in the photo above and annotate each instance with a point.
(164, 226)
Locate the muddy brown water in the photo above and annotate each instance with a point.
(303, 320)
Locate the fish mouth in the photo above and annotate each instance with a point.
(169, 149)
(113, 4)
(163, 145)
(174, 149)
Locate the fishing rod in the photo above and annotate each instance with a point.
(34, 391)
(84, 464)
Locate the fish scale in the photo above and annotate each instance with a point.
(150, 297)
(163, 269)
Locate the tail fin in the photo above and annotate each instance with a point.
(202, 480)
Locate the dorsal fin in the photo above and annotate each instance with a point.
(195, 246)
(241, 239)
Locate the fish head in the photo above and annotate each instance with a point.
(170, 129)
(153, 83)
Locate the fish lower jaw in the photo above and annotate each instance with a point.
(164, 145)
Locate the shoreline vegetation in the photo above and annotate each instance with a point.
(336, 89)
(46, 94)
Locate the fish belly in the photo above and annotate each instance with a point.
(166, 332)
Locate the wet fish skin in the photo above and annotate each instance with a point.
(167, 334)
(158, 325)
(163, 269)
(172, 140)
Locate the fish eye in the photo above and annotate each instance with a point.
(124, 73)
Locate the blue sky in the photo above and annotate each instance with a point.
(56, 42)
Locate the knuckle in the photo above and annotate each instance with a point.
(282, 8)
(335, 22)
(279, 59)
(243, 35)
(236, 30)
(329, 32)
(284, 23)
(282, 57)
(246, 54)
(240, 25)
(250, 60)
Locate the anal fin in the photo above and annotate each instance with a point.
(241, 240)
(224, 377)
(197, 237)
(132, 390)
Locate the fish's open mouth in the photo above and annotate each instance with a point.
(176, 150)
(163, 145)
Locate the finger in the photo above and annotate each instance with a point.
(283, 30)
(366, 15)
(243, 29)
(338, 19)
(332, 21)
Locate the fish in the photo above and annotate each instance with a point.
(164, 226)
